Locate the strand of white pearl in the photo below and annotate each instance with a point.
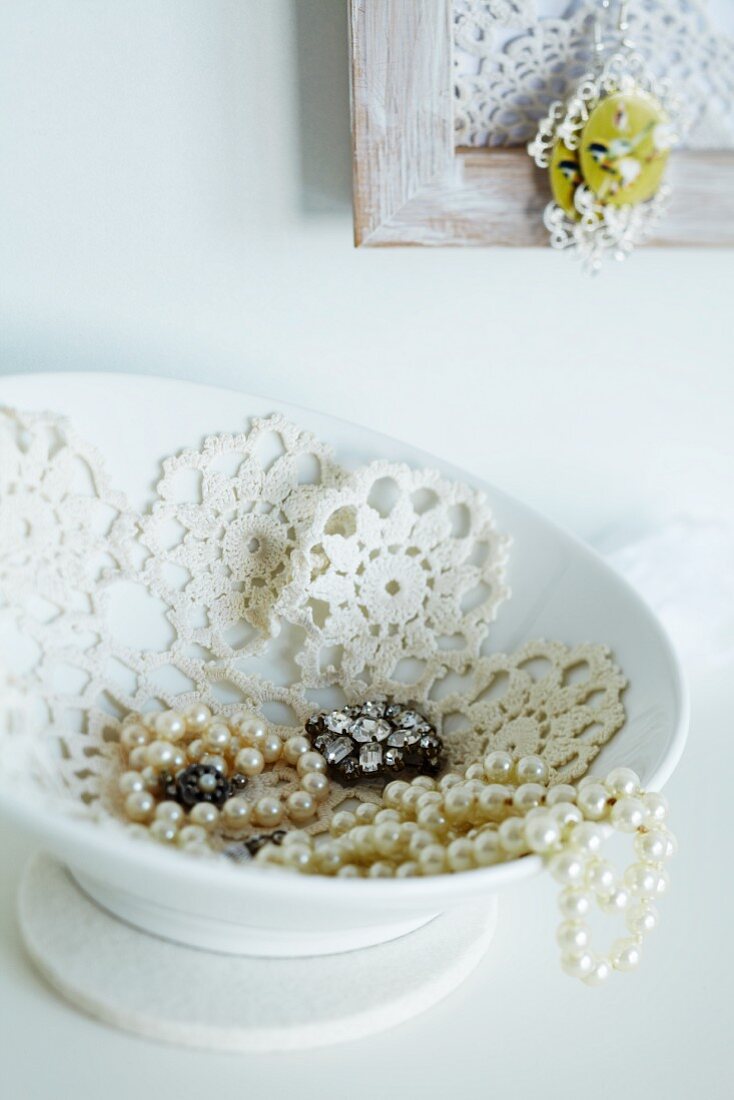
(585, 877)
(562, 823)
(165, 740)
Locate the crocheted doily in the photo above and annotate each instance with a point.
(260, 554)
(399, 565)
(558, 702)
(512, 58)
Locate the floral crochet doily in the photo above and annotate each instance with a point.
(513, 57)
(261, 576)
(398, 564)
(550, 700)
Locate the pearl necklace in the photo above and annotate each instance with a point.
(500, 809)
(504, 809)
(219, 755)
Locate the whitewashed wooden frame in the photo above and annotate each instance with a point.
(413, 187)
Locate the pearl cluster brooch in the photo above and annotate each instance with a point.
(375, 739)
(504, 809)
(185, 773)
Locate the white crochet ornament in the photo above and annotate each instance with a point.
(399, 565)
(258, 549)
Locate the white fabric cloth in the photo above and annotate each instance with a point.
(684, 569)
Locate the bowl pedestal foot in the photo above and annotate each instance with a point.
(177, 994)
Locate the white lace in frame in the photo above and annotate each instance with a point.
(514, 57)
(104, 609)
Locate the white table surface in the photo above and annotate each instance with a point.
(175, 197)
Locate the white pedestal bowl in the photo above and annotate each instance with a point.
(561, 590)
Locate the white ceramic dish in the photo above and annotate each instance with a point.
(561, 590)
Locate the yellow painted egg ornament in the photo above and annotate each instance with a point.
(605, 149)
(624, 148)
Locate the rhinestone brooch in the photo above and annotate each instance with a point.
(375, 739)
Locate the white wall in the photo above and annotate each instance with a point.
(174, 199)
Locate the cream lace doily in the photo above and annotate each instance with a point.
(264, 576)
(400, 565)
(512, 59)
(550, 700)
